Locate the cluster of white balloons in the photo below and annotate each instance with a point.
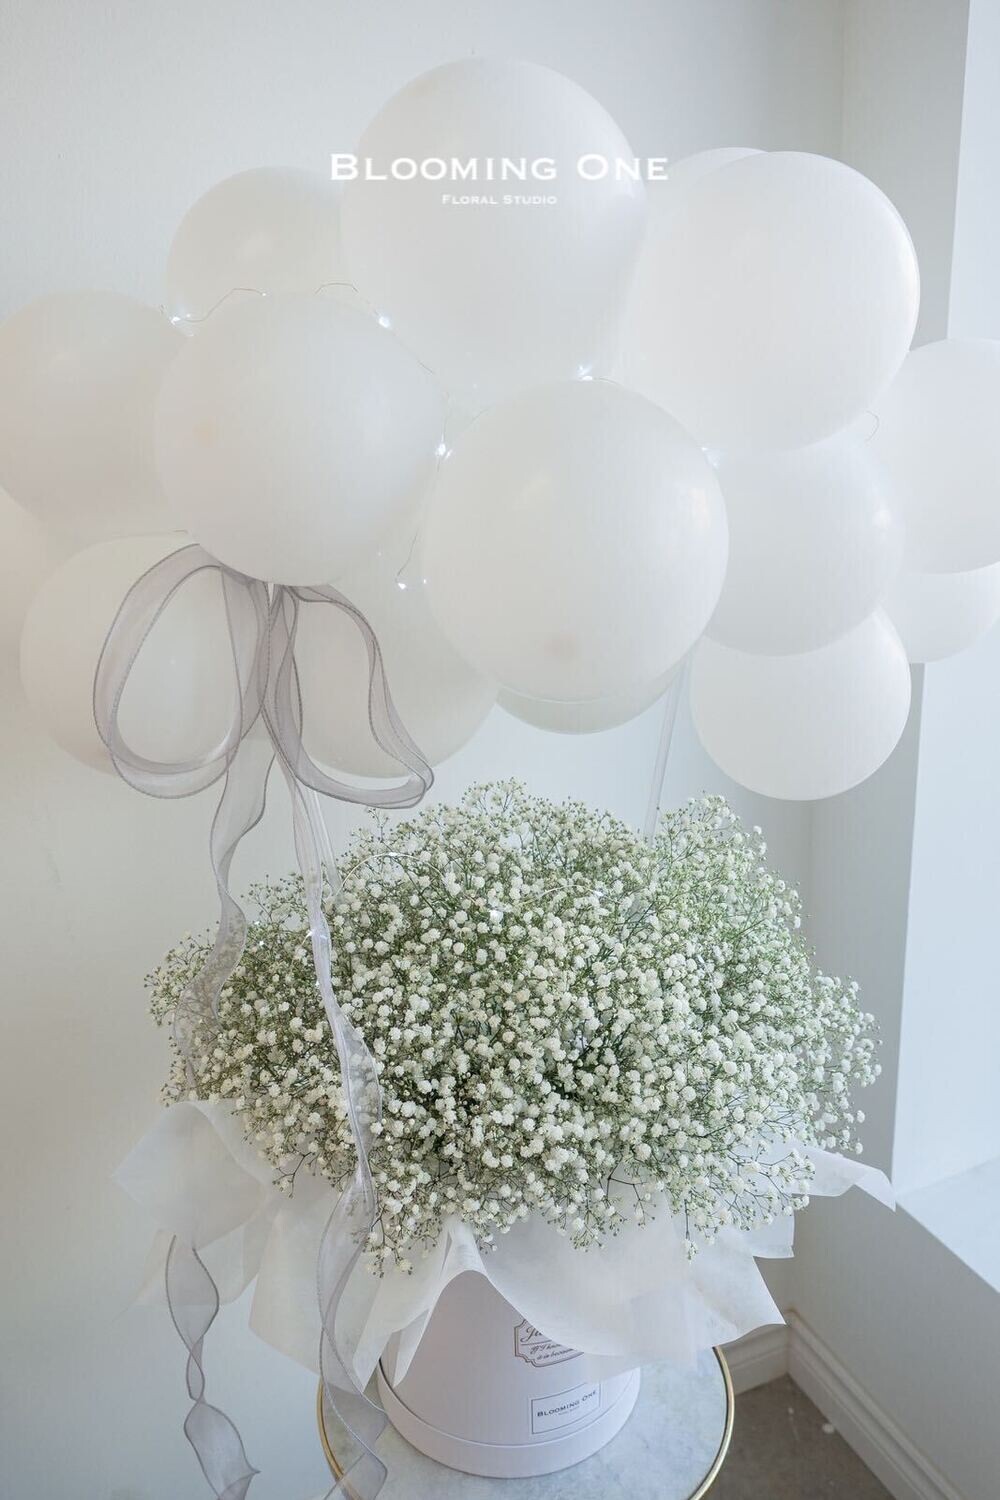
(551, 443)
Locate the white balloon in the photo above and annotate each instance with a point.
(272, 230)
(589, 716)
(781, 305)
(803, 727)
(641, 352)
(28, 553)
(180, 696)
(79, 372)
(575, 542)
(498, 295)
(938, 440)
(292, 433)
(439, 698)
(813, 546)
(940, 614)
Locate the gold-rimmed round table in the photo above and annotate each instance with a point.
(671, 1448)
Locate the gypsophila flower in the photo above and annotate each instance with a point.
(565, 1021)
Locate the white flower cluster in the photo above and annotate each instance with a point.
(566, 1021)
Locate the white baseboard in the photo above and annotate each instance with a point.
(793, 1349)
(758, 1357)
(873, 1435)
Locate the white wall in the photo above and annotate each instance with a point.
(113, 117)
(951, 1020)
(904, 73)
(947, 1118)
(974, 303)
(895, 864)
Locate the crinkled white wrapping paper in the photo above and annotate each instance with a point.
(637, 1296)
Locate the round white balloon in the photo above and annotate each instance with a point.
(575, 542)
(813, 546)
(180, 696)
(641, 351)
(79, 372)
(780, 307)
(440, 700)
(495, 293)
(590, 716)
(272, 230)
(938, 440)
(940, 614)
(292, 433)
(803, 727)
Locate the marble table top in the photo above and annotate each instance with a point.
(670, 1449)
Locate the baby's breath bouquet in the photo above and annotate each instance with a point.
(566, 1022)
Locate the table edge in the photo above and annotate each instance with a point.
(698, 1494)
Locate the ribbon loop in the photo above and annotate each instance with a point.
(284, 709)
(247, 618)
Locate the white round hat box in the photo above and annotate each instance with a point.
(489, 1394)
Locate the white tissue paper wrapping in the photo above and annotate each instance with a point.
(638, 1295)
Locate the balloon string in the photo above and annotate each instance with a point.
(324, 286)
(384, 322)
(671, 703)
(249, 291)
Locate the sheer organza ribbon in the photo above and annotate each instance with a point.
(266, 726)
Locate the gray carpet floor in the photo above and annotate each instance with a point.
(783, 1448)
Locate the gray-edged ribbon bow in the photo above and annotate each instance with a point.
(266, 726)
